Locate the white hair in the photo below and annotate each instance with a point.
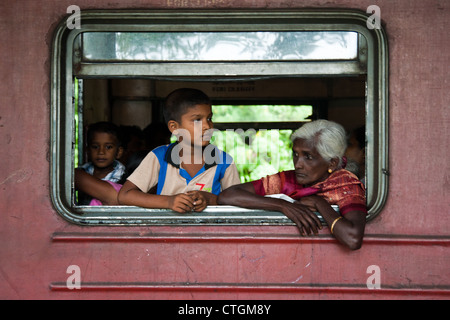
(326, 136)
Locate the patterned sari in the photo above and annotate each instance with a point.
(342, 188)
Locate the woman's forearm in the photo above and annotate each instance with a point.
(348, 229)
(244, 196)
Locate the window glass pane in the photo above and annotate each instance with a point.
(220, 46)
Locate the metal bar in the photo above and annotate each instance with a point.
(221, 69)
(417, 290)
(425, 240)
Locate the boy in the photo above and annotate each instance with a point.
(190, 173)
(100, 177)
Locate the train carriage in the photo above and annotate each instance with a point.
(268, 69)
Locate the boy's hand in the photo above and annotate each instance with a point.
(200, 201)
(181, 203)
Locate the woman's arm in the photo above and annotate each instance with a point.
(348, 230)
(243, 195)
(95, 188)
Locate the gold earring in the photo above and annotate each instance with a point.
(330, 171)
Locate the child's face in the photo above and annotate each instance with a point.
(103, 150)
(196, 125)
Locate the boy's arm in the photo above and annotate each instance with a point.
(95, 188)
(131, 195)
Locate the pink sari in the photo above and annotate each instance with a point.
(342, 188)
(96, 202)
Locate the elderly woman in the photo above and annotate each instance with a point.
(317, 182)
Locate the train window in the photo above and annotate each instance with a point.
(266, 73)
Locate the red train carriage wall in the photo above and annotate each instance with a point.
(268, 69)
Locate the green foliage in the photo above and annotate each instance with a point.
(263, 152)
(257, 154)
(261, 113)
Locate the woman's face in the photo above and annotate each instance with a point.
(310, 167)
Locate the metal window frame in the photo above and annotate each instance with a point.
(64, 64)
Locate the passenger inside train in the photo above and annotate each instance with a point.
(317, 182)
(93, 180)
(99, 180)
(185, 182)
(356, 153)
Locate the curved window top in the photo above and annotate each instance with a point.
(220, 46)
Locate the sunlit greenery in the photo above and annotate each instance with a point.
(261, 113)
(256, 153)
(263, 152)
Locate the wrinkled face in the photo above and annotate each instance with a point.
(103, 150)
(310, 167)
(196, 124)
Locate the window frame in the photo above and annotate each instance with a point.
(64, 65)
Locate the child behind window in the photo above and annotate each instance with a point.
(188, 174)
(99, 180)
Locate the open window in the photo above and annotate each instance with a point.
(266, 73)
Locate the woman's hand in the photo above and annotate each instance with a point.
(303, 217)
(349, 230)
(312, 202)
(243, 195)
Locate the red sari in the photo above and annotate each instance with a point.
(342, 188)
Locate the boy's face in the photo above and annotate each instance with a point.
(103, 150)
(194, 125)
